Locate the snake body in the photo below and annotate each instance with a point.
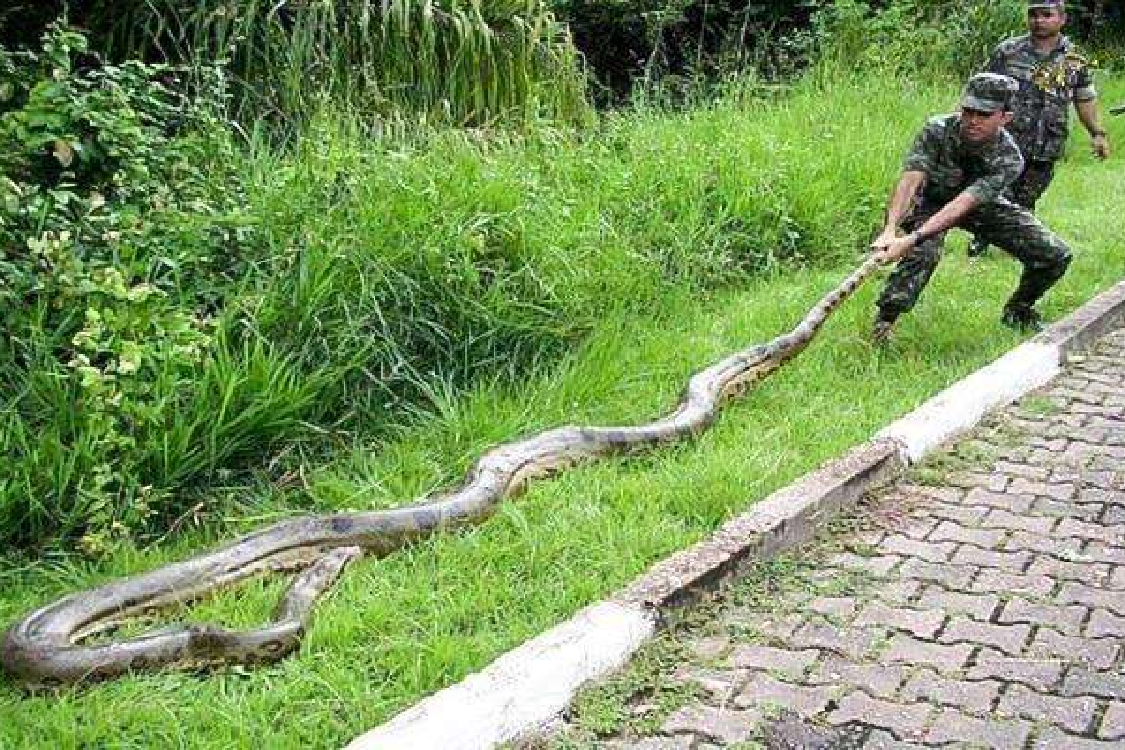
(46, 647)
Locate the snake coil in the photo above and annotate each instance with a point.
(46, 648)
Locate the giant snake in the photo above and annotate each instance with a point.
(46, 647)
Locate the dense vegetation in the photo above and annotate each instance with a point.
(247, 267)
(182, 291)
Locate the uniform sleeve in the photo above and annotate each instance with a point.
(1084, 90)
(997, 63)
(923, 154)
(1003, 168)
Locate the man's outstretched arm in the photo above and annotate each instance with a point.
(949, 215)
(899, 206)
(1088, 114)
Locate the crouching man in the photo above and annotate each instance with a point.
(954, 176)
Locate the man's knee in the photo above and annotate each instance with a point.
(1060, 262)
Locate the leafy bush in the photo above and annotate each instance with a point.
(108, 222)
(920, 37)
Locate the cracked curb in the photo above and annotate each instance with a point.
(523, 690)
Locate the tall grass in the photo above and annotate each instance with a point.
(455, 62)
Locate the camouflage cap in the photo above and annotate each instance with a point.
(989, 92)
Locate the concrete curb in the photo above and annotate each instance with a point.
(526, 688)
(1082, 327)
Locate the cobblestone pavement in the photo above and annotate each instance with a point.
(980, 602)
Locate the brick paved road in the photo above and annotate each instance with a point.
(978, 603)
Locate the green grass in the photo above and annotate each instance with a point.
(399, 628)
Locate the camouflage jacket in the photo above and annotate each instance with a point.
(1048, 84)
(953, 165)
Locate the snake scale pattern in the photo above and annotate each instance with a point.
(46, 648)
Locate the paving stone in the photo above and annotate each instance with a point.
(1104, 623)
(996, 482)
(1076, 593)
(1114, 535)
(1055, 491)
(908, 650)
(1114, 515)
(972, 697)
(710, 647)
(950, 576)
(899, 591)
(1097, 409)
(1082, 681)
(1014, 562)
(720, 684)
(791, 732)
(1087, 572)
(990, 579)
(1054, 738)
(962, 515)
(904, 721)
(764, 691)
(1117, 580)
(1002, 519)
(977, 479)
(1098, 654)
(1022, 470)
(883, 740)
(1107, 553)
(773, 628)
(880, 680)
(1090, 459)
(1113, 723)
(937, 552)
(1010, 501)
(721, 724)
(1007, 638)
(947, 531)
(917, 526)
(950, 495)
(842, 607)
(870, 537)
(850, 642)
(969, 479)
(878, 566)
(1073, 714)
(954, 726)
(652, 743)
(1052, 545)
(791, 663)
(979, 606)
(1067, 620)
(1040, 673)
(922, 623)
(1082, 511)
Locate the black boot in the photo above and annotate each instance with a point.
(1023, 319)
(1019, 312)
(884, 326)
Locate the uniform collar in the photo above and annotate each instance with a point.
(1061, 48)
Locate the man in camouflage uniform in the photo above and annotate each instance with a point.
(1051, 75)
(956, 175)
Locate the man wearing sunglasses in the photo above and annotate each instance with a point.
(1052, 76)
(957, 175)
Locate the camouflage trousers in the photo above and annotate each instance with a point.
(1010, 227)
(1032, 183)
